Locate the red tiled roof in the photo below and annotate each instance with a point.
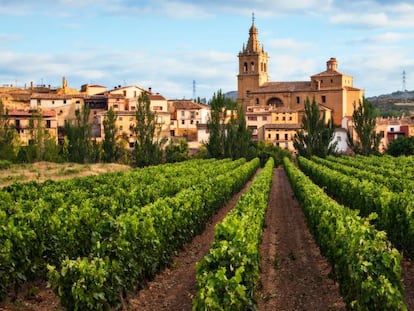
(156, 97)
(186, 104)
(282, 126)
(26, 113)
(296, 86)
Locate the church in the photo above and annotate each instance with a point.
(274, 110)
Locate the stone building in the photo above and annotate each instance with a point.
(332, 90)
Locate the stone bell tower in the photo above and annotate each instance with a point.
(253, 67)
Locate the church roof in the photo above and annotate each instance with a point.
(297, 86)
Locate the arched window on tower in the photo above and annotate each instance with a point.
(252, 66)
(257, 101)
(265, 69)
(245, 67)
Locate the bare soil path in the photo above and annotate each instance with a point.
(294, 275)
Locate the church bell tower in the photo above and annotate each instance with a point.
(252, 66)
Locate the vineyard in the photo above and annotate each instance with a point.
(95, 239)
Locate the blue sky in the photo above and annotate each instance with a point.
(166, 45)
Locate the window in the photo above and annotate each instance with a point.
(392, 129)
(182, 122)
(277, 136)
(116, 106)
(277, 118)
(264, 118)
(53, 102)
(120, 118)
(323, 99)
(283, 118)
(269, 135)
(297, 99)
(286, 136)
(121, 128)
(290, 118)
(182, 113)
(124, 92)
(191, 121)
(64, 101)
(245, 67)
(38, 102)
(252, 118)
(257, 101)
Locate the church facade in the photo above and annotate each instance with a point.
(274, 110)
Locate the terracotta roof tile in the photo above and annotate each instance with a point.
(296, 86)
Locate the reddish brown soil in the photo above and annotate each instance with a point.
(294, 275)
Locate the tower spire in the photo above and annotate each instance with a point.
(252, 18)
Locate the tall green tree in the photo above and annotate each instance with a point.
(316, 135)
(8, 136)
(148, 146)
(109, 144)
(78, 133)
(237, 137)
(215, 144)
(364, 120)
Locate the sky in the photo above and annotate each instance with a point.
(182, 48)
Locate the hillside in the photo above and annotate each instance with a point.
(394, 104)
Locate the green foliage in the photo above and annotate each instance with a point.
(370, 193)
(228, 138)
(147, 146)
(78, 133)
(315, 136)
(109, 145)
(4, 164)
(134, 221)
(364, 119)
(177, 152)
(80, 288)
(268, 150)
(8, 136)
(215, 144)
(363, 261)
(401, 146)
(228, 275)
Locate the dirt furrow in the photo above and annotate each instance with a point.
(294, 275)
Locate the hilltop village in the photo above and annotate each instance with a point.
(273, 110)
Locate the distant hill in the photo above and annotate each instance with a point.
(394, 104)
(232, 95)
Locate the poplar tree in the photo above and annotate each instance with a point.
(364, 120)
(78, 133)
(109, 144)
(8, 135)
(315, 136)
(147, 146)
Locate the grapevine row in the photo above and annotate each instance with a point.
(364, 263)
(228, 275)
(140, 242)
(67, 222)
(394, 211)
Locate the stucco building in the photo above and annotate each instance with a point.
(331, 89)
